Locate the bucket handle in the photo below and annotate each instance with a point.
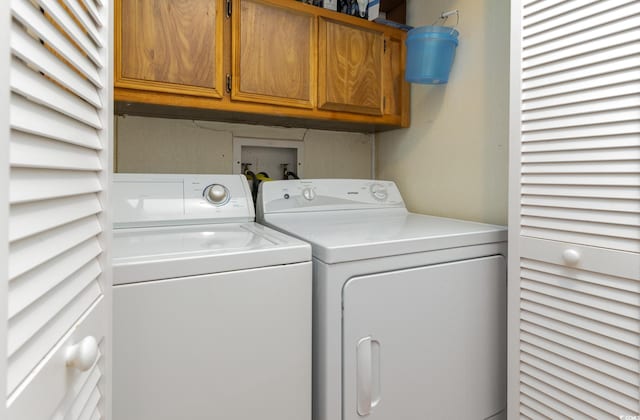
(445, 15)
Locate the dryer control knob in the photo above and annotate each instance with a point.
(309, 193)
(217, 194)
(379, 192)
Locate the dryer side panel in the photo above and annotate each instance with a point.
(427, 342)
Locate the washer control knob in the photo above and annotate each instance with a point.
(379, 192)
(309, 193)
(217, 194)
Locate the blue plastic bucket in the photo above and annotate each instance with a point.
(430, 52)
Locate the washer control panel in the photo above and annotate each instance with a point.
(327, 194)
(162, 199)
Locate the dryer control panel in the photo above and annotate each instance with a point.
(165, 199)
(304, 195)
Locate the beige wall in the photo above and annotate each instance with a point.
(452, 161)
(183, 146)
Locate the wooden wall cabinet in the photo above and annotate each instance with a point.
(170, 46)
(273, 54)
(261, 61)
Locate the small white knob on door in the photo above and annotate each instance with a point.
(571, 256)
(82, 355)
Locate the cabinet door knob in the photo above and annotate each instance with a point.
(82, 355)
(571, 256)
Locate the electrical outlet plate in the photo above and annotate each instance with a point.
(267, 155)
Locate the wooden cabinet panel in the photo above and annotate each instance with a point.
(170, 46)
(273, 54)
(350, 68)
(393, 77)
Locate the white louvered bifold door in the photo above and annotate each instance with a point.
(59, 166)
(575, 209)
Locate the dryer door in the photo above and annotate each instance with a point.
(426, 343)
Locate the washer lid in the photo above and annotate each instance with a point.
(143, 254)
(339, 236)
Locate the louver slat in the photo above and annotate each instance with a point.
(24, 153)
(35, 22)
(87, 399)
(28, 253)
(605, 401)
(568, 13)
(36, 55)
(51, 184)
(579, 70)
(82, 17)
(605, 360)
(539, 405)
(37, 89)
(39, 216)
(26, 323)
(562, 69)
(93, 11)
(579, 364)
(56, 11)
(571, 397)
(28, 288)
(578, 145)
(33, 118)
(624, 18)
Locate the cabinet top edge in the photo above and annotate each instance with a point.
(333, 15)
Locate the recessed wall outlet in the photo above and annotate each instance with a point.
(268, 155)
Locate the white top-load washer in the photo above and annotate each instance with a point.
(409, 310)
(212, 312)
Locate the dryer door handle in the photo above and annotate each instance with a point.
(367, 375)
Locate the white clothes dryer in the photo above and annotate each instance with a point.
(212, 312)
(409, 310)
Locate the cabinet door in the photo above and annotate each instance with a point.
(170, 46)
(350, 62)
(427, 342)
(273, 54)
(58, 279)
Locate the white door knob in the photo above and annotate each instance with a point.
(82, 355)
(571, 256)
